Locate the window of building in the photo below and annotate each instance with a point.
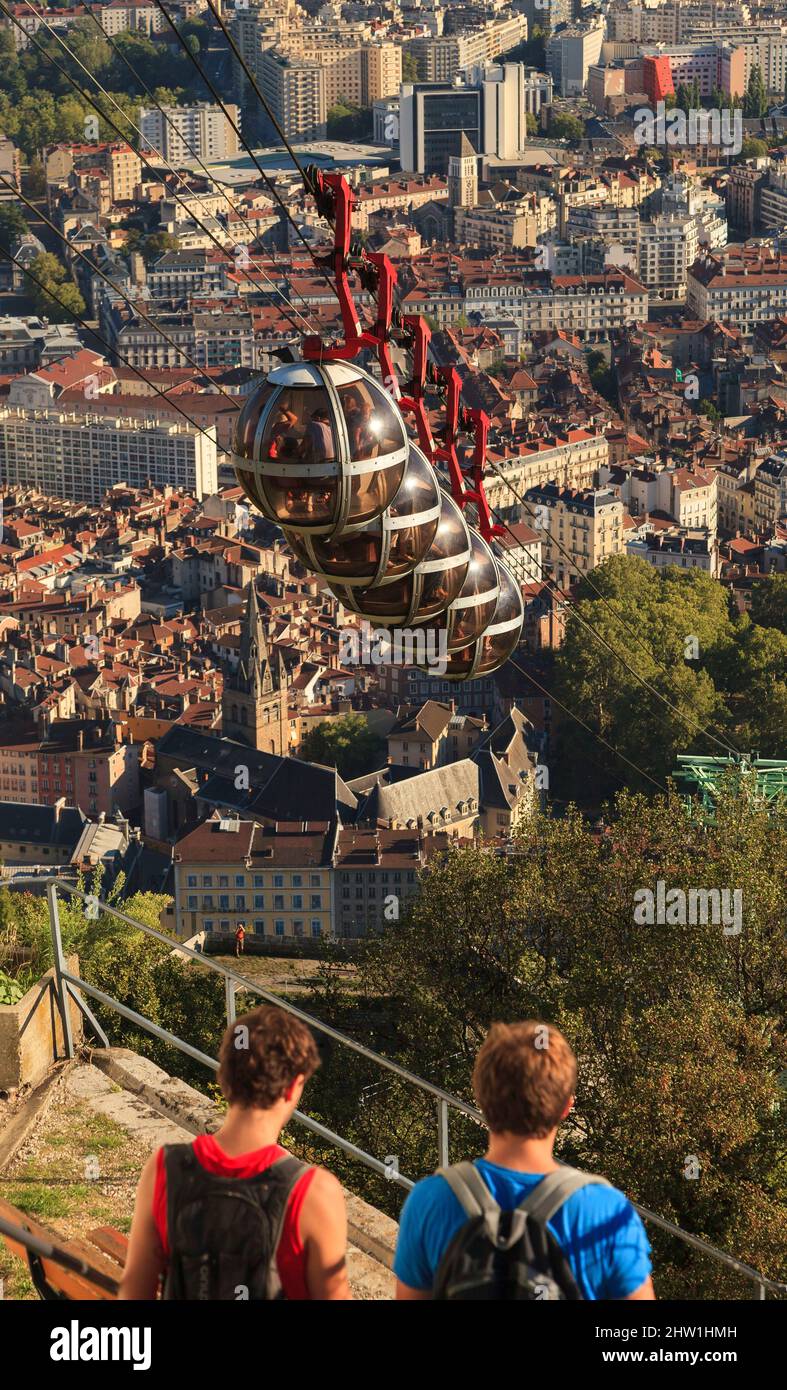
(193, 903)
(316, 926)
(191, 881)
(278, 901)
(278, 880)
(278, 927)
(297, 902)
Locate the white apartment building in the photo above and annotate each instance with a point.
(441, 57)
(770, 492)
(667, 247)
(75, 455)
(738, 286)
(570, 53)
(295, 89)
(202, 131)
(579, 529)
(137, 16)
(572, 462)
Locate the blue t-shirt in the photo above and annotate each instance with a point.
(597, 1228)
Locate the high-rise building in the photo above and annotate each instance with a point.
(190, 131)
(571, 52)
(254, 701)
(440, 58)
(74, 454)
(486, 107)
(295, 88)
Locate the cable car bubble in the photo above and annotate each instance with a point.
(320, 448)
(493, 648)
(390, 547)
(429, 589)
(473, 609)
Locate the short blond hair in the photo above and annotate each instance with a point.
(524, 1076)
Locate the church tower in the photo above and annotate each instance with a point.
(254, 707)
(463, 176)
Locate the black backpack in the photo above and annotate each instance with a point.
(508, 1254)
(224, 1232)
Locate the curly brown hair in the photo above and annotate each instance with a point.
(524, 1076)
(261, 1055)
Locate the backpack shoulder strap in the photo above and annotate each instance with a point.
(470, 1190)
(555, 1189)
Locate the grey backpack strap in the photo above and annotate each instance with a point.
(471, 1191)
(555, 1189)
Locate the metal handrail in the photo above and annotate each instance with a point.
(74, 985)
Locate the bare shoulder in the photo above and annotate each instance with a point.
(324, 1187)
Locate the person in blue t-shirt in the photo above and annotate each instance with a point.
(524, 1082)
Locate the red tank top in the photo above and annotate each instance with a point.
(290, 1256)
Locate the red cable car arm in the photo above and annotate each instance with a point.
(335, 200)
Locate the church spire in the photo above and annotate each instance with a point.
(255, 674)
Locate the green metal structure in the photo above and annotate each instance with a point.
(699, 777)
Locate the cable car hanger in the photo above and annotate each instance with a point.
(335, 201)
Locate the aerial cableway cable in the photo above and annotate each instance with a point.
(134, 307)
(143, 155)
(211, 86)
(196, 157)
(50, 292)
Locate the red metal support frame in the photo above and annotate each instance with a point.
(335, 200)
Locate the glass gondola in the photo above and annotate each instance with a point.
(390, 547)
(429, 589)
(320, 449)
(493, 648)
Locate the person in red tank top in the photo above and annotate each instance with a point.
(266, 1058)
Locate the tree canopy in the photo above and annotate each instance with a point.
(674, 630)
(347, 744)
(679, 1029)
(56, 296)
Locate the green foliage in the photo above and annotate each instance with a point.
(769, 602)
(151, 245)
(564, 126)
(122, 961)
(347, 744)
(751, 148)
(39, 105)
(755, 101)
(602, 378)
(13, 224)
(10, 990)
(532, 124)
(349, 122)
(679, 1030)
(409, 66)
(710, 410)
(646, 617)
(56, 296)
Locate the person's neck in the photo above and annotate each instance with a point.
(526, 1155)
(243, 1130)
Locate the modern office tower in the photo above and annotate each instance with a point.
(487, 106)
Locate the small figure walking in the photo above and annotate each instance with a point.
(240, 937)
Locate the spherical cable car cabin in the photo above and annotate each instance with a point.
(429, 589)
(320, 449)
(473, 609)
(391, 546)
(496, 644)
